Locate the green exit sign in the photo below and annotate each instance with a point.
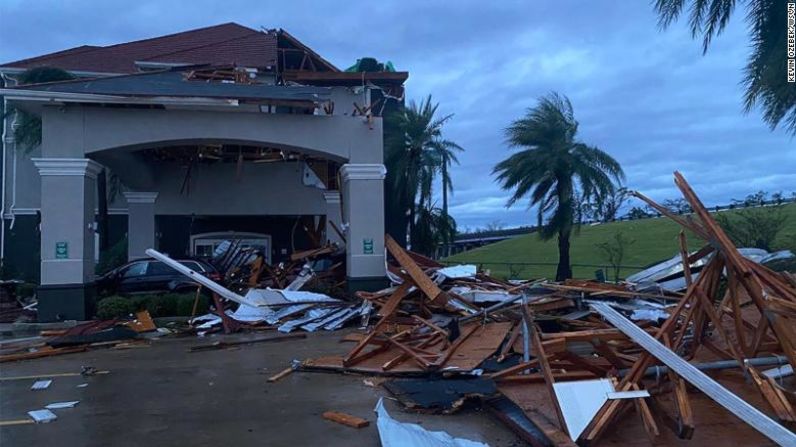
(367, 246)
(61, 250)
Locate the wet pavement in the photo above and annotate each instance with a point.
(164, 396)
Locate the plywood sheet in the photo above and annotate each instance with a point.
(713, 424)
(484, 342)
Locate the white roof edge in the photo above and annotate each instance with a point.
(150, 64)
(43, 96)
(79, 73)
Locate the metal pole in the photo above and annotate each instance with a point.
(776, 360)
(526, 331)
(201, 279)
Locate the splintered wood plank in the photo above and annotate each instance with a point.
(394, 300)
(41, 352)
(276, 377)
(484, 342)
(345, 419)
(419, 277)
(544, 366)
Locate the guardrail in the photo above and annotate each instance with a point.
(652, 215)
(532, 270)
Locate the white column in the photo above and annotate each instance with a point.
(68, 191)
(363, 212)
(140, 223)
(334, 215)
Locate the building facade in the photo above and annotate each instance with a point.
(206, 135)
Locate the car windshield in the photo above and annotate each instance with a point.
(137, 269)
(159, 268)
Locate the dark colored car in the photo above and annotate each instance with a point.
(149, 275)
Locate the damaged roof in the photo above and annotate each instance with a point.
(228, 43)
(175, 83)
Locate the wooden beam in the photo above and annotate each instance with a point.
(422, 280)
(544, 365)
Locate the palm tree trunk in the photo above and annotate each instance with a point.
(565, 203)
(446, 236)
(409, 215)
(564, 270)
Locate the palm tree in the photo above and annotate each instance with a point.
(27, 132)
(447, 156)
(432, 228)
(765, 73)
(416, 153)
(555, 170)
(27, 135)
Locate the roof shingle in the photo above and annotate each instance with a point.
(228, 43)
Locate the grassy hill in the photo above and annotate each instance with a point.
(654, 239)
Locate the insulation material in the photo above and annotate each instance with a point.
(458, 271)
(398, 434)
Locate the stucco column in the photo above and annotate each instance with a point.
(140, 223)
(334, 215)
(363, 214)
(68, 191)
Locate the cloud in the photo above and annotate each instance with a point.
(648, 97)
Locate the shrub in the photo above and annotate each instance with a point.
(754, 227)
(114, 307)
(162, 305)
(165, 305)
(26, 290)
(185, 305)
(140, 302)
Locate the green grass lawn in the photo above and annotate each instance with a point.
(654, 240)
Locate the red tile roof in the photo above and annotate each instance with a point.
(224, 44)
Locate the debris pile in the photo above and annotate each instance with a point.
(96, 334)
(576, 361)
(567, 360)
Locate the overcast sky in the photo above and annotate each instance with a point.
(648, 97)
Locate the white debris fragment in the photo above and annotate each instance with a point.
(41, 384)
(42, 416)
(649, 314)
(458, 271)
(398, 434)
(60, 405)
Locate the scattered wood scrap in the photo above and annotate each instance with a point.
(345, 419)
(228, 344)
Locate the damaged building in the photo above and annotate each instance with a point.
(207, 135)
